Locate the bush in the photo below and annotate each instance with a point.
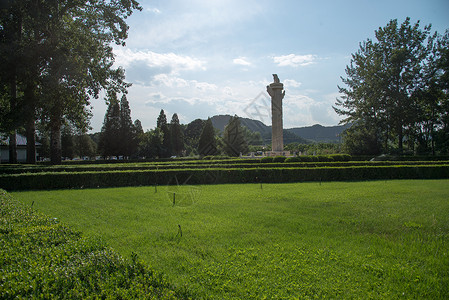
(325, 158)
(279, 159)
(44, 259)
(340, 157)
(267, 159)
(292, 159)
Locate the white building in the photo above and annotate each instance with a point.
(21, 148)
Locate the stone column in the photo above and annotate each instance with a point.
(275, 90)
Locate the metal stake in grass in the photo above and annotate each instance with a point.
(179, 231)
(174, 199)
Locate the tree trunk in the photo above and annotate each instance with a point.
(400, 138)
(13, 148)
(31, 141)
(13, 105)
(55, 141)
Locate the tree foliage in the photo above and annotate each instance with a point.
(165, 150)
(58, 55)
(192, 134)
(207, 144)
(119, 136)
(176, 136)
(234, 142)
(393, 91)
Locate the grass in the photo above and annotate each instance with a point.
(378, 239)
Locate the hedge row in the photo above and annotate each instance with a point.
(217, 176)
(267, 161)
(41, 258)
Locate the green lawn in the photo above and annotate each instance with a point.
(378, 239)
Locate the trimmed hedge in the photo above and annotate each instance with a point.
(289, 162)
(279, 159)
(41, 258)
(217, 175)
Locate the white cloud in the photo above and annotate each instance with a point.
(294, 60)
(176, 63)
(292, 83)
(153, 10)
(172, 81)
(241, 61)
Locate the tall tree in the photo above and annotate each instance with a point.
(207, 144)
(234, 142)
(383, 79)
(67, 142)
(151, 143)
(74, 62)
(127, 137)
(163, 126)
(85, 146)
(192, 134)
(110, 144)
(177, 136)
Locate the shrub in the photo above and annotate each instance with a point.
(292, 159)
(267, 159)
(279, 159)
(325, 158)
(340, 157)
(44, 259)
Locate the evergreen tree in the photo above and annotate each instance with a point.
(234, 142)
(151, 142)
(165, 151)
(85, 146)
(192, 135)
(128, 140)
(110, 132)
(176, 135)
(207, 144)
(138, 127)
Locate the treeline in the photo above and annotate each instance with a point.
(120, 137)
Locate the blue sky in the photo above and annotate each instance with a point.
(201, 58)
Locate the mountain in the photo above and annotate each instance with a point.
(303, 135)
(319, 133)
(221, 121)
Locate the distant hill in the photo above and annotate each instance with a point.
(319, 133)
(315, 133)
(221, 121)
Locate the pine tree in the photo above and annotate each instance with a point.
(110, 132)
(207, 144)
(234, 143)
(177, 136)
(165, 151)
(127, 133)
(192, 135)
(151, 143)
